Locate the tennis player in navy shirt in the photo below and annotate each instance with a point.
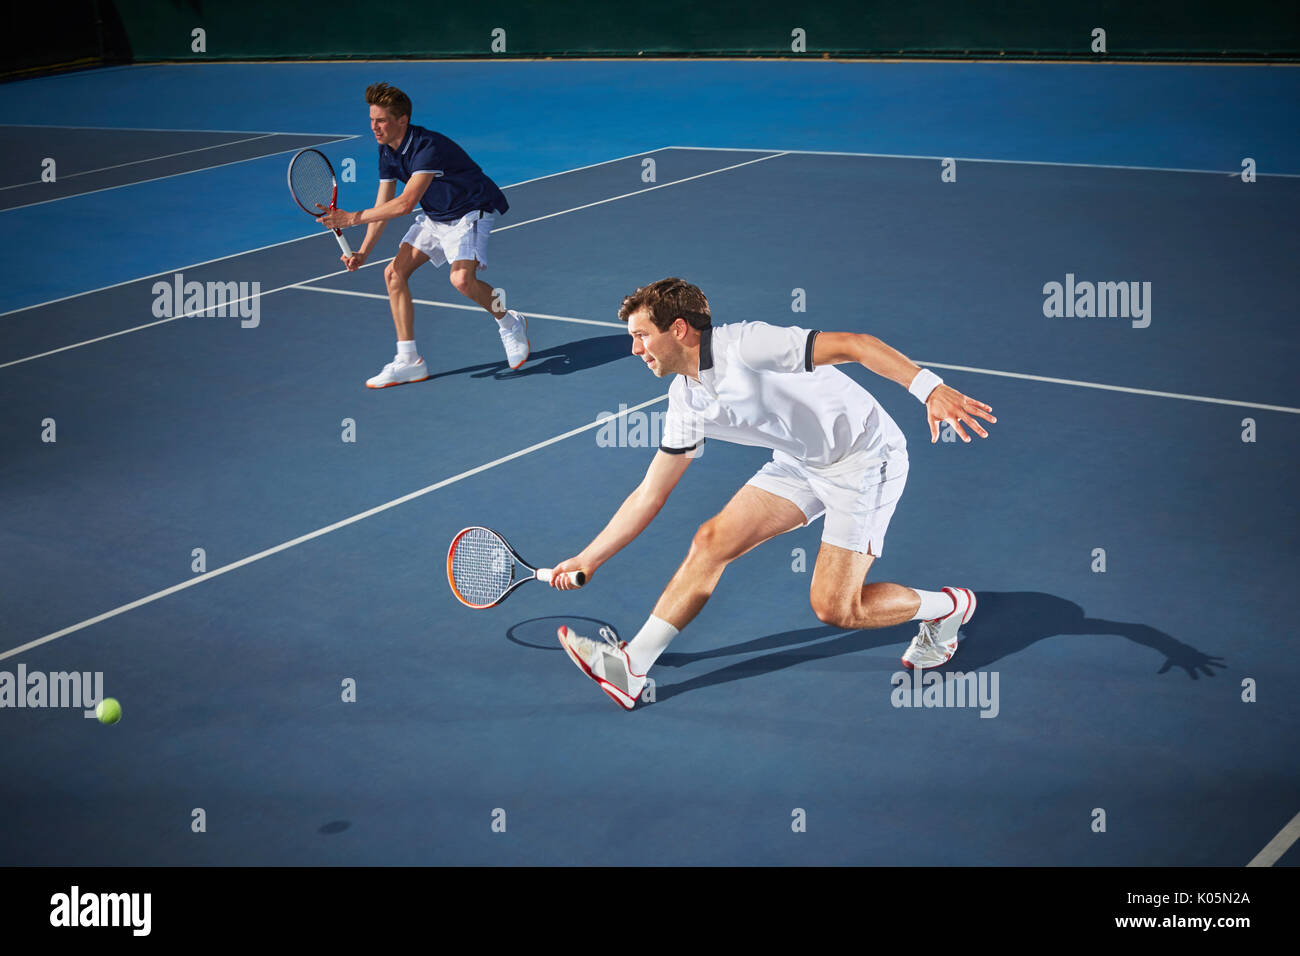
(457, 207)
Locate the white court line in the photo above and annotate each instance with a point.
(1013, 162)
(314, 235)
(638, 192)
(578, 169)
(319, 532)
(1279, 844)
(136, 162)
(141, 182)
(958, 368)
(230, 304)
(1115, 388)
(464, 306)
(234, 302)
(167, 272)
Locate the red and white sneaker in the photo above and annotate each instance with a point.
(936, 641)
(606, 663)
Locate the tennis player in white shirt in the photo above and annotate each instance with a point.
(835, 452)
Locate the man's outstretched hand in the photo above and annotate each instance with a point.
(946, 404)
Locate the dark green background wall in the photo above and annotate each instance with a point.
(150, 30)
(160, 29)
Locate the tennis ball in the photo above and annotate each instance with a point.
(108, 710)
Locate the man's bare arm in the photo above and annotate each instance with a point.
(944, 404)
(392, 208)
(632, 517)
(373, 231)
(836, 348)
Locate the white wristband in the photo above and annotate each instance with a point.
(923, 384)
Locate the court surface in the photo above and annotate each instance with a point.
(1121, 444)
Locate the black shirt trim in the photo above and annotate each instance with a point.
(681, 451)
(808, 351)
(706, 348)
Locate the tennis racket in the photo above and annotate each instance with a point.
(314, 188)
(481, 569)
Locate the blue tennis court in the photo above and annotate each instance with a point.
(207, 506)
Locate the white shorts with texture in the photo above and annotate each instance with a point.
(443, 242)
(857, 495)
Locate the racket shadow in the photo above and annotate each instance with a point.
(538, 633)
(577, 356)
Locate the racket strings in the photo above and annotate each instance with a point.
(482, 567)
(312, 181)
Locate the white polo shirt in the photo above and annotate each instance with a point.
(757, 386)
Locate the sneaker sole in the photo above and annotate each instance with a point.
(618, 696)
(910, 666)
(410, 381)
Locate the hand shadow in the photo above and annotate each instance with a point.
(1004, 623)
(1009, 621)
(578, 356)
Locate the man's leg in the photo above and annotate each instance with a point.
(751, 517)
(839, 597)
(857, 517)
(397, 275)
(512, 326)
(464, 277)
(407, 366)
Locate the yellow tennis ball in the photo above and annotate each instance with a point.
(108, 710)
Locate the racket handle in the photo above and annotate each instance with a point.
(576, 577)
(343, 243)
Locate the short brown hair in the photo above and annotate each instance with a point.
(389, 97)
(667, 301)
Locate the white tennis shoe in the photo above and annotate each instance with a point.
(515, 339)
(936, 641)
(606, 663)
(399, 372)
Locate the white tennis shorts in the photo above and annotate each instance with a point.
(857, 495)
(444, 242)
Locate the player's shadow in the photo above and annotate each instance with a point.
(849, 642)
(578, 356)
(1005, 623)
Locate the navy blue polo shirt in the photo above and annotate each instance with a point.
(459, 187)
